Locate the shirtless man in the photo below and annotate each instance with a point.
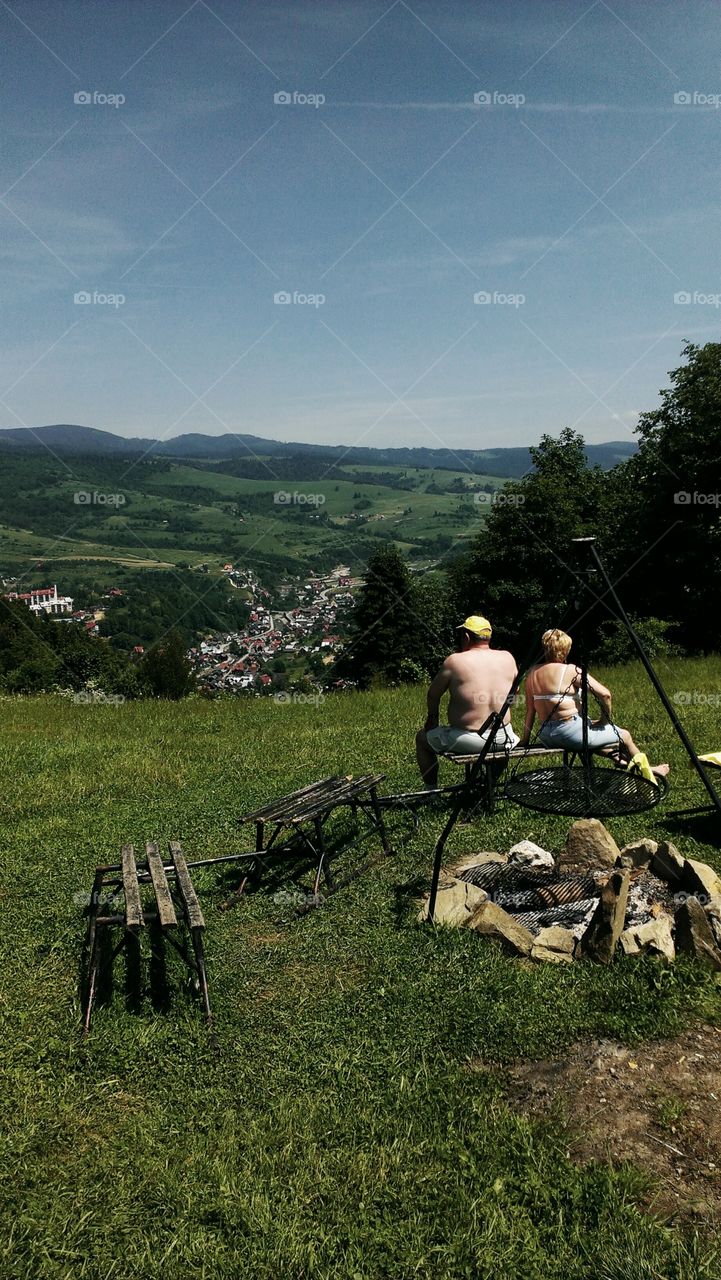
(478, 679)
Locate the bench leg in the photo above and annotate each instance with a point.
(379, 820)
(197, 940)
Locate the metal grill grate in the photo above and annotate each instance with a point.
(584, 793)
(568, 915)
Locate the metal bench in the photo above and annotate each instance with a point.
(493, 766)
(121, 885)
(294, 826)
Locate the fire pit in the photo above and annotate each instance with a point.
(588, 900)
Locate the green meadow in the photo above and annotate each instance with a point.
(338, 1129)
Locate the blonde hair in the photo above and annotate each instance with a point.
(556, 645)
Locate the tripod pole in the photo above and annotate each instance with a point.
(668, 706)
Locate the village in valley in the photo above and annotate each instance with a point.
(284, 642)
(290, 639)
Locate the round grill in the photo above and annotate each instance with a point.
(584, 793)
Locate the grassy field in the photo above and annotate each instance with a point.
(339, 1130)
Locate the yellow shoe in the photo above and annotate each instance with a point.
(639, 764)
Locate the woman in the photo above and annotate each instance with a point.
(553, 693)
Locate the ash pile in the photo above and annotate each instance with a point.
(592, 899)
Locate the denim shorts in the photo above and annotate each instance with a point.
(568, 734)
(466, 742)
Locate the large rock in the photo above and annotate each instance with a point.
(455, 903)
(713, 914)
(589, 842)
(554, 944)
(668, 864)
(602, 935)
(699, 878)
(528, 854)
(640, 852)
(655, 936)
(694, 935)
(493, 922)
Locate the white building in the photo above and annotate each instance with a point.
(44, 600)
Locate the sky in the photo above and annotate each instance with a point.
(459, 225)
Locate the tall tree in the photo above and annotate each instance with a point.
(385, 638)
(516, 569)
(670, 533)
(166, 671)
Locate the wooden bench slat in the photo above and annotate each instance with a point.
(185, 885)
(166, 910)
(515, 754)
(312, 801)
(134, 918)
(268, 812)
(352, 790)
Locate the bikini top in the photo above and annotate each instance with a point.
(558, 697)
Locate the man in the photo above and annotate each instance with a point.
(478, 679)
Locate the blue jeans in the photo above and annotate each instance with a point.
(568, 734)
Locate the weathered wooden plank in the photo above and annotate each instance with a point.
(503, 755)
(133, 907)
(275, 809)
(166, 910)
(185, 885)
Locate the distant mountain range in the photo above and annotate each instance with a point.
(67, 439)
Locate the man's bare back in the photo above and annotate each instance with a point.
(479, 682)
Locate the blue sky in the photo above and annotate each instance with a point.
(581, 199)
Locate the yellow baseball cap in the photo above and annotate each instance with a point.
(479, 626)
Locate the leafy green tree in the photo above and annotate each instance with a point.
(165, 671)
(669, 530)
(517, 564)
(385, 627)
